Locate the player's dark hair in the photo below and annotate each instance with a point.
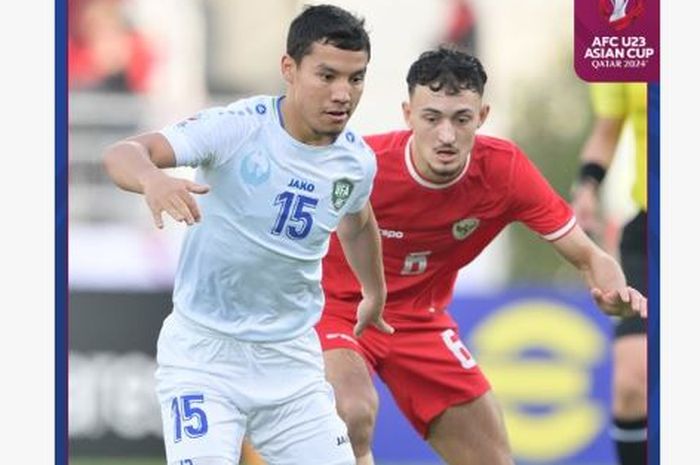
(326, 24)
(449, 69)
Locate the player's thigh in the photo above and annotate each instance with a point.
(349, 375)
(472, 432)
(472, 423)
(199, 410)
(306, 430)
(429, 371)
(199, 423)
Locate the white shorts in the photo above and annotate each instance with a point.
(215, 390)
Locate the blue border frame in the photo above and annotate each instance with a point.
(61, 238)
(653, 236)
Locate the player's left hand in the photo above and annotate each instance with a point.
(624, 302)
(369, 312)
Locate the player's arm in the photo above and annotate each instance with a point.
(359, 235)
(603, 275)
(135, 164)
(596, 157)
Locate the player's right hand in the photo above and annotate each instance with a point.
(369, 312)
(172, 196)
(625, 302)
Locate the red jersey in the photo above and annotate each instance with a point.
(429, 231)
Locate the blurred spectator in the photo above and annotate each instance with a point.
(104, 51)
(461, 27)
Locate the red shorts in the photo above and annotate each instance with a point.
(425, 365)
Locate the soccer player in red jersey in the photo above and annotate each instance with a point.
(441, 195)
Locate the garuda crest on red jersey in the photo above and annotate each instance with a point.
(620, 13)
(463, 228)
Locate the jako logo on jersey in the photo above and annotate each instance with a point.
(340, 440)
(342, 188)
(620, 13)
(255, 169)
(389, 234)
(303, 185)
(461, 229)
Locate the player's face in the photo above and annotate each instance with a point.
(443, 127)
(324, 90)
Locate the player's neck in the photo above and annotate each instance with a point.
(292, 122)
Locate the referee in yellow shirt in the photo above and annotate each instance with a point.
(615, 104)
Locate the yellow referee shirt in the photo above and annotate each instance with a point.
(627, 101)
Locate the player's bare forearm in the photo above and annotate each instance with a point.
(134, 165)
(603, 272)
(598, 268)
(603, 275)
(131, 162)
(359, 236)
(127, 163)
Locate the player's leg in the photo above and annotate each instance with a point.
(347, 369)
(356, 398)
(201, 423)
(471, 433)
(439, 387)
(629, 430)
(302, 426)
(306, 430)
(249, 456)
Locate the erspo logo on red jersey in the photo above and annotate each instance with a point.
(390, 234)
(616, 40)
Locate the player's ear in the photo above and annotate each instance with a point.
(483, 114)
(288, 66)
(406, 108)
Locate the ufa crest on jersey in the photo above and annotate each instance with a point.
(342, 189)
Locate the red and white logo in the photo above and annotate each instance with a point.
(620, 13)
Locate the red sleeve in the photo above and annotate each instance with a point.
(535, 203)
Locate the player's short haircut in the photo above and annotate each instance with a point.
(449, 69)
(326, 24)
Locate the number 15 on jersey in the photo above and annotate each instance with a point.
(294, 218)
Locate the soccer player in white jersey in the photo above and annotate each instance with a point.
(276, 175)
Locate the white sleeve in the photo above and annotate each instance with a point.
(210, 137)
(364, 189)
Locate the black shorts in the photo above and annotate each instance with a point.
(633, 254)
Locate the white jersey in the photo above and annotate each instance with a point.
(252, 267)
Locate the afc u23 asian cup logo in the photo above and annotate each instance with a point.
(620, 13)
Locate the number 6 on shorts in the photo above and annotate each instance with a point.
(194, 419)
(454, 343)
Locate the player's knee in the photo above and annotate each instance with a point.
(359, 414)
